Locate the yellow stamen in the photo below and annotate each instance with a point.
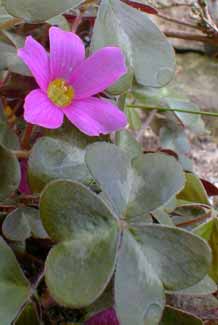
(60, 93)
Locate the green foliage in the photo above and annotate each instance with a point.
(134, 188)
(99, 223)
(88, 236)
(8, 137)
(136, 281)
(141, 42)
(35, 11)
(58, 155)
(23, 223)
(28, 316)
(14, 288)
(194, 190)
(209, 232)
(173, 316)
(9, 173)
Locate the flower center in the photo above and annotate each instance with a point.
(60, 93)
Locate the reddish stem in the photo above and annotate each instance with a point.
(25, 144)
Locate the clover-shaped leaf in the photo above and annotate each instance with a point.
(193, 191)
(9, 172)
(14, 287)
(147, 258)
(8, 137)
(79, 267)
(180, 258)
(128, 143)
(209, 231)
(205, 287)
(138, 187)
(40, 10)
(147, 50)
(147, 262)
(23, 223)
(174, 316)
(139, 293)
(58, 155)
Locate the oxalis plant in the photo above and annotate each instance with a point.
(89, 221)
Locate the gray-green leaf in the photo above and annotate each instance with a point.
(139, 294)
(9, 173)
(14, 287)
(137, 188)
(81, 265)
(180, 258)
(147, 50)
(40, 10)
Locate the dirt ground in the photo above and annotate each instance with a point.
(204, 154)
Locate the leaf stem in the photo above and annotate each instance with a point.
(10, 23)
(167, 109)
(21, 153)
(25, 143)
(193, 221)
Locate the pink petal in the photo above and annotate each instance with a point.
(98, 72)
(66, 52)
(36, 58)
(107, 317)
(95, 116)
(39, 110)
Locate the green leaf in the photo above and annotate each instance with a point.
(40, 10)
(162, 217)
(147, 50)
(69, 209)
(180, 258)
(28, 316)
(4, 16)
(9, 59)
(193, 191)
(172, 316)
(128, 143)
(60, 21)
(14, 287)
(139, 294)
(9, 173)
(23, 223)
(8, 137)
(134, 120)
(122, 85)
(136, 189)
(174, 138)
(105, 301)
(205, 287)
(60, 155)
(209, 231)
(81, 265)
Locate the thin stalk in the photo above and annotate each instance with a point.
(167, 109)
(21, 154)
(11, 23)
(25, 143)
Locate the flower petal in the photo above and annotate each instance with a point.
(94, 116)
(39, 110)
(66, 52)
(98, 72)
(36, 58)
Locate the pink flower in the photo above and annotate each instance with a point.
(67, 83)
(107, 317)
